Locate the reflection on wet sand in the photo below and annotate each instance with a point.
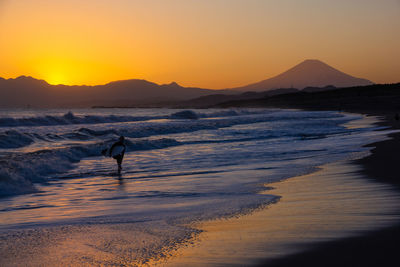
(332, 203)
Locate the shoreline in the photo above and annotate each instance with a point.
(375, 248)
(357, 248)
(313, 245)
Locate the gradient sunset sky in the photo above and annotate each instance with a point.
(202, 43)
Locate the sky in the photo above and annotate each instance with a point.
(201, 43)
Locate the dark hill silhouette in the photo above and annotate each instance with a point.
(371, 98)
(22, 90)
(215, 99)
(27, 91)
(313, 75)
(309, 73)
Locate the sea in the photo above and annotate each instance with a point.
(180, 167)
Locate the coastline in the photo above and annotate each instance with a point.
(72, 241)
(368, 247)
(375, 248)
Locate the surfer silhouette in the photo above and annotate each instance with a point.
(117, 151)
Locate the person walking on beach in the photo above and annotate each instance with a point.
(117, 152)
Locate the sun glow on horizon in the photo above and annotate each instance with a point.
(56, 76)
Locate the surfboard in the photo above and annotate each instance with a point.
(117, 150)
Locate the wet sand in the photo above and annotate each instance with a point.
(374, 248)
(347, 214)
(333, 203)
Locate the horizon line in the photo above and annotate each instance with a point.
(190, 86)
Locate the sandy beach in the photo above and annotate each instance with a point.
(373, 248)
(376, 248)
(334, 217)
(339, 211)
(346, 214)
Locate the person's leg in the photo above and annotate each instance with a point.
(119, 162)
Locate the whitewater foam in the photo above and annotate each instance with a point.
(70, 118)
(19, 171)
(178, 169)
(66, 146)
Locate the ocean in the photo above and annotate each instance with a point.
(181, 167)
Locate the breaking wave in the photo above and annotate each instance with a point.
(70, 118)
(19, 171)
(184, 121)
(14, 139)
(55, 151)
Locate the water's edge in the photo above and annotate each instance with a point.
(117, 239)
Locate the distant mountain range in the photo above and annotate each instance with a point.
(309, 73)
(27, 91)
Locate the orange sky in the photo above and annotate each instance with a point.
(204, 43)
